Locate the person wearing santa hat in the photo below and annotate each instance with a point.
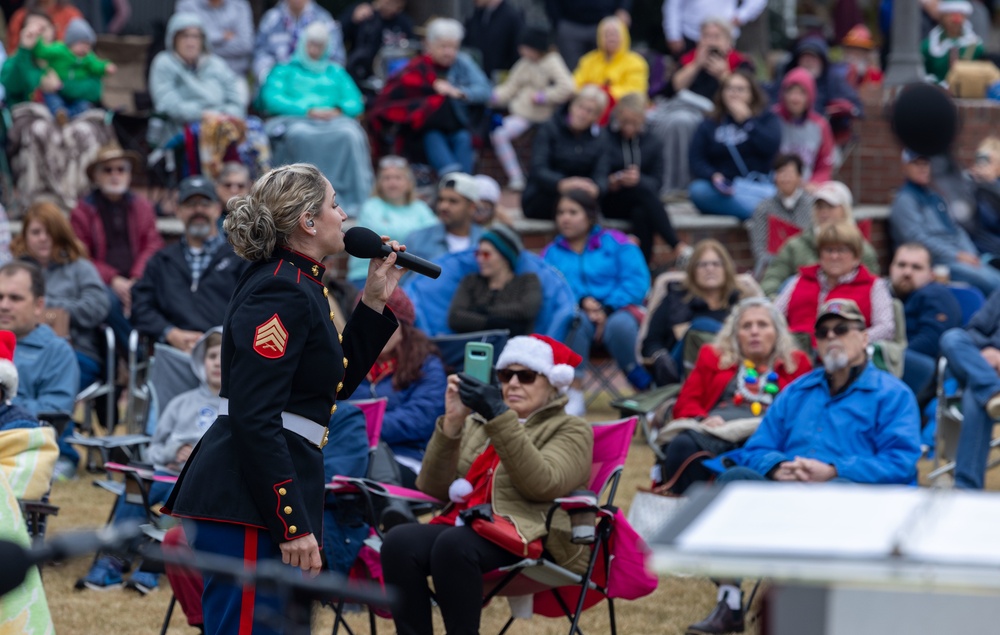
(516, 450)
(11, 416)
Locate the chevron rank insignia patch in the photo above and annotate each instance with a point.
(271, 338)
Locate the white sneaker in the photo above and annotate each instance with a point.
(577, 405)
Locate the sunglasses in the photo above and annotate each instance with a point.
(112, 169)
(393, 162)
(482, 253)
(840, 330)
(524, 377)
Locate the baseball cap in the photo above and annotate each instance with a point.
(835, 193)
(462, 183)
(196, 185)
(838, 307)
(489, 189)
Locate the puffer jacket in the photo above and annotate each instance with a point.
(548, 76)
(547, 457)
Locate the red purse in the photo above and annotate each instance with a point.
(494, 527)
(503, 533)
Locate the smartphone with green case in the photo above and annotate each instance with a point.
(479, 361)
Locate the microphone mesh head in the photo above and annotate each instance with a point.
(362, 242)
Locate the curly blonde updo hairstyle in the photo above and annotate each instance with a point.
(266, 217)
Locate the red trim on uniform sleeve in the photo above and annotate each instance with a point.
(298, 277)
(277, 509)
(249, 591)
(278, 268)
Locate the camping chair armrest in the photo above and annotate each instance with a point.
(352, 484)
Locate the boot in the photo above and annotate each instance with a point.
(721, 620)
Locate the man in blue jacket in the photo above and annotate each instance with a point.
(844, 421)
(973, 355)
(930, 310)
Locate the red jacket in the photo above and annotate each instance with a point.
(143, 236)
(804, 301)
(704, 386)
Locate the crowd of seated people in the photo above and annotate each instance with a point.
(600, 149)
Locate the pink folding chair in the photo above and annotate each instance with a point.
(617, 567)
(374, 411)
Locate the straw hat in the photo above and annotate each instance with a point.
(110, 152)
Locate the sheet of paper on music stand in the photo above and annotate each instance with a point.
(802, 519)
(960, 528)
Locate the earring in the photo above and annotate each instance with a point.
(314, 232)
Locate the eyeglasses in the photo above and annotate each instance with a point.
(837, 249)
(233, 185)
(112, 169)
(840, 330)
(709, 264)
(524, 377)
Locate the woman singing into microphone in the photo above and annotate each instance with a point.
(253, 487)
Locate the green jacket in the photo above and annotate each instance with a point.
(81, 76)
(20, 76)
(800, 251)
(547, 457)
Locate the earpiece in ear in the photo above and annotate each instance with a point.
(310, 223)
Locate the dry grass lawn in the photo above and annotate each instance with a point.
(678, 601)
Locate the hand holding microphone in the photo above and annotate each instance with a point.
(362, 242)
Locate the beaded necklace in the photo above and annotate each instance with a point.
(759, 396)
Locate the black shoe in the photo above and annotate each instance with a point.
(721, 620)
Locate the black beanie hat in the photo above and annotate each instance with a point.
(536, 38)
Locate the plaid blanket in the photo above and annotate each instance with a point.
(408, 98)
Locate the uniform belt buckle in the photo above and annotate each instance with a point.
(326, 438)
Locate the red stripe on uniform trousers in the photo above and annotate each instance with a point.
(249, 563)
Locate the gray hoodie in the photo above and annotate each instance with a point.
(183, 92)
(188, 415)
(232, 16)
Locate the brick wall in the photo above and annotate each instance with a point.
(872, 169)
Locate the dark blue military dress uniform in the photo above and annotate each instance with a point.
(255, 480)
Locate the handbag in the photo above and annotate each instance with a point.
(971, 79)
(500, 531)
(752, 187)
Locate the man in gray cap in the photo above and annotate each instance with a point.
(457, 200)
(846, 421)
(186, 286)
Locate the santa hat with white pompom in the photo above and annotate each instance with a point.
(542, 354)
(8, 372)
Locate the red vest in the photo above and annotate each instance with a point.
(805, 302)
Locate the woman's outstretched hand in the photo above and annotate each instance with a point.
(383, 278)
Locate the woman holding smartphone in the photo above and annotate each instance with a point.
(514, 450)
(740, 136)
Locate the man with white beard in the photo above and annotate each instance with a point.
(186, 287)
(845, 421)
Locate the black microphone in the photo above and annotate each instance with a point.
(362, 242)
(18, 560)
